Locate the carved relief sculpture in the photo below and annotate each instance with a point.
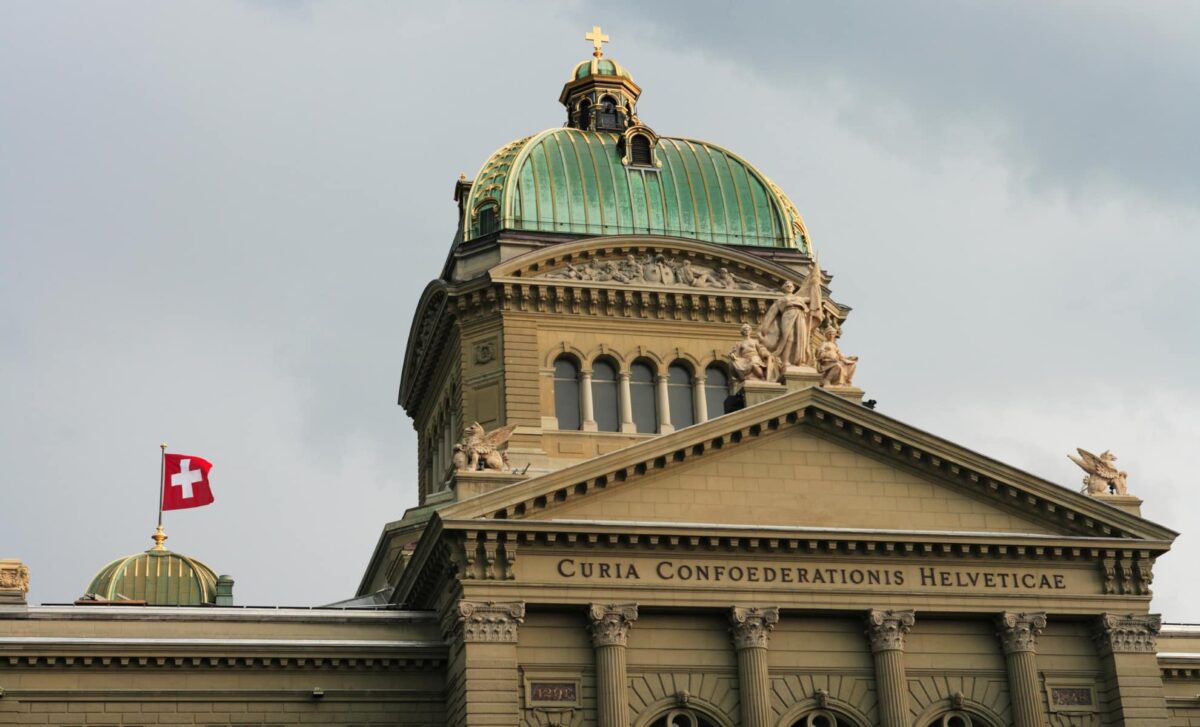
(654, 269)
(836, 369)
(751, 360)
(14, 577)
(1103, 477)
(751, 626)
(480, 450)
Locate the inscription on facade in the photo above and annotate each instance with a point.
(554, 692)
(687, 572)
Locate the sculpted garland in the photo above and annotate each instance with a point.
(655, 269)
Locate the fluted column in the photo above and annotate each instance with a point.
(700, 399)
(1133, 687)
(585, 401)
(625, 403)
(664, 405)
(751, 628)
(1018, 635)
(609, 624)
(886, 631)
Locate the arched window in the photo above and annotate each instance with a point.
(606, 118)
(679, 396)
(639, 151)
(682, 718)
(641, 397)
(487, 220)
(823, 718)
(566, 393)
(716, 388)
(604, 395)
(585, 114)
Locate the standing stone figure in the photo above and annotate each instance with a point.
(751, 360)
(784, 329)
(836, 369)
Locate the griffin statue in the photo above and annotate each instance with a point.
(1103, 477)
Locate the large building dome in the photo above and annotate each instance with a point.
(157, 576)
(607, 173)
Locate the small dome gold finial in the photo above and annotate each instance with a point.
(158, 537)
(597, 39)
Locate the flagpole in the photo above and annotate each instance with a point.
(159, 536)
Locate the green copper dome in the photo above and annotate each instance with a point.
(599, 67)
(158, 577)
(582, 182)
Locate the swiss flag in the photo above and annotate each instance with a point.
(185, 482)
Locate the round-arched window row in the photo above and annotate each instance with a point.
(957, 718)
(682, 718)
(637, 400)
(824, 718)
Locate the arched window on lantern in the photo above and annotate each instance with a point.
(641, 397)
(566, 393)
(604, 395)
(679, 395)
(584, 118)
(716, 388)
(607, 118)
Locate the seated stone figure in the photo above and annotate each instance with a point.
(836, 369)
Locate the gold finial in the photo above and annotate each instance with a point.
(597, 39)
(158, 537)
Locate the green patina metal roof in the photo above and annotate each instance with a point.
(600, 67)
(158, 577)
(574, 182)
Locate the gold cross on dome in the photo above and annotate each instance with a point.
(597, 39)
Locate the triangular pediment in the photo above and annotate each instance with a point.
(809, 460)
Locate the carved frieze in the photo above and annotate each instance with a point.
(752, 626)
(654, 269)
(886, 629)
(485, 621)
(1129, 633)
(14, 581)
(1019, 631)
(609, 623)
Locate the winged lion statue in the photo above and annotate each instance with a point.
(480, 449)
(1103, 477)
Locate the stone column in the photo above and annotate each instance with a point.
(625, 402)
(700, 399)
(1018, 635)
(750, 629)
(886, 631)
(482, 685)
(609, 624)
(586, 410)
(1132, 691)
(664, 405)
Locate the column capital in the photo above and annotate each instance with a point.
(751, 626)
(485, 621)
(1019, 631)
(1129, 633)
(887, 629)
(609, 623)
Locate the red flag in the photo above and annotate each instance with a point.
(185, 482)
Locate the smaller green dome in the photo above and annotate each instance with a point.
(158, 577)
(599, 67)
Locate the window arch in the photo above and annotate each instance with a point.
(716, 389)
(682, 718)
(823, 718)
(639, 151)
(487, 219)
(679, 396)
(641, 397)
(957, 718)
(566, 393)
(606, 116)
(585, 114)
(604, 395)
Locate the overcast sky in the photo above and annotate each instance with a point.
(216, 219)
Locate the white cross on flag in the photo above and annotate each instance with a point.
(185, 482)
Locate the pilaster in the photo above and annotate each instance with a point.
(751, 628)
(886, 631)
(609, 625)
(481, 677)
(1133, 687)
(1018, 634)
